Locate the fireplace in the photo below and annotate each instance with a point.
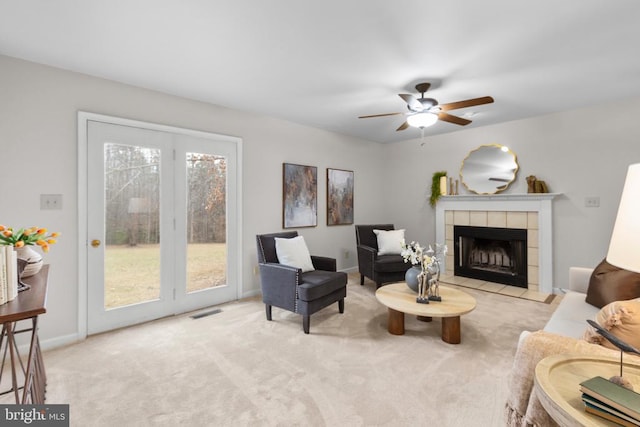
(533, 212)
(493, 254)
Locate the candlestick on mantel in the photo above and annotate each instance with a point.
(443, 185)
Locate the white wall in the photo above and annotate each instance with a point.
(38, 140)
(578, 153)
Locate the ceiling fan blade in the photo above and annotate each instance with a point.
(466, 103)
(411, 101)
(403, 126)
(379, 115)
(453, 119)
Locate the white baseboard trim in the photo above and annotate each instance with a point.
(51, 343)
(253, 293)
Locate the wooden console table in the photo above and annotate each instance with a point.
(28, 305)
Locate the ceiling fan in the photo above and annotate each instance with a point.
(424, 112)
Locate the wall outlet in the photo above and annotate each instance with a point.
(592, 202)
(346, 254)
(50, 201)
(256, 270)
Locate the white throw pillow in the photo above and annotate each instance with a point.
(389, 241)
(294, 252)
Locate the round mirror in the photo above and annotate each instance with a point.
(489, 169)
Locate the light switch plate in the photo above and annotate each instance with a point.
(592, 201)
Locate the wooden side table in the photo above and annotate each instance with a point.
(557, 384)
(28, 305)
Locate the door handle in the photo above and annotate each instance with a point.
(95, 243)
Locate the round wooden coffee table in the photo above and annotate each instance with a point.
(401, 300)
(557, 384)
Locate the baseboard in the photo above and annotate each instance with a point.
(249, 294)
(51, 343)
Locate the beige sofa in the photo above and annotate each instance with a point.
(561, 334)
(570, 317)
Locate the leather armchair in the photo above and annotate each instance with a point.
(379, 268)
(289, 288)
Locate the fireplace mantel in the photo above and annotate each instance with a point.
(499, 197)
(539, 203)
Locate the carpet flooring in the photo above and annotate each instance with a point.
(235, 368)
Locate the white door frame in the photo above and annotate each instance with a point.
(83, 238)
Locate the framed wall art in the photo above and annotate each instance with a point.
(339, 197)
(299, 196)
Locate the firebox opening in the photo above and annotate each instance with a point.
(492, 254)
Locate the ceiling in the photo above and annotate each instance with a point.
(324, 63)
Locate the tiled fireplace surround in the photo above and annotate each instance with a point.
(532, 212)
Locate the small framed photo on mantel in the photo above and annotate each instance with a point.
(299, 196)
(339, 197)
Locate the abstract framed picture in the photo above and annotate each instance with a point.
(339, 197)
(299, 196)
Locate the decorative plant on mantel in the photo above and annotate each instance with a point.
(435, 187)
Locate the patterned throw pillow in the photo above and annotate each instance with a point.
(622, 319)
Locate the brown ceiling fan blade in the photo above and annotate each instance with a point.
(403, 126)
(466, 103)
(379, 115)
(411, 101)
(453, 119)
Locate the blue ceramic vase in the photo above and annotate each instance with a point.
(411, 277)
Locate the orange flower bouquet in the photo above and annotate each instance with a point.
(27, 236)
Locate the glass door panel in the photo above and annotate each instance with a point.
(162, 217)
(207, 231)
(130, 200)
(206, 221)
(132, 224)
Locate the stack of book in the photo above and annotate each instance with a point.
(611, 401)
(8, 274)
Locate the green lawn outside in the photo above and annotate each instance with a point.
(132, 273)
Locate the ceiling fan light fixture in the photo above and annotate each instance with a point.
(422, 120)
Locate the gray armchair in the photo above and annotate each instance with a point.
(379, 268)
(290, 289)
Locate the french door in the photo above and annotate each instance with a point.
(161, 229)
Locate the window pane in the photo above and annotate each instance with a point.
(206, 221)
(132, 231)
